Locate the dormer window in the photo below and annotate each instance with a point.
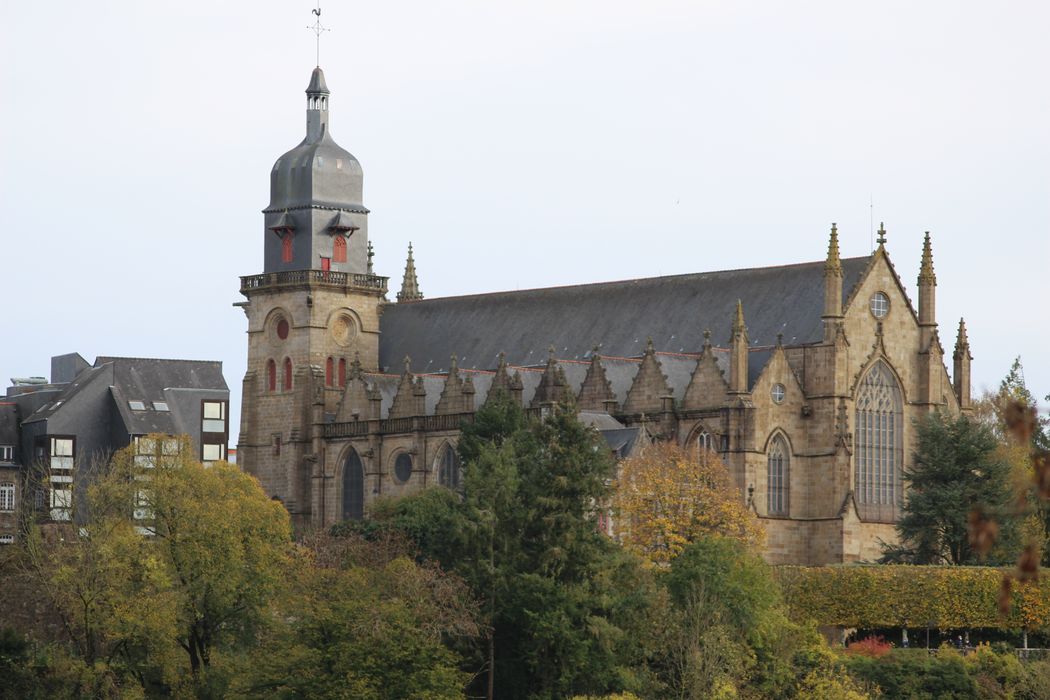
(137, 405)
(161, 406)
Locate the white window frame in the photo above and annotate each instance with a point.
(7, 453)
(7, 497)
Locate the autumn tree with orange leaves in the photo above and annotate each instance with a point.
(667, 496)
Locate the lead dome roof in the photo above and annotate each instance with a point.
(318, 172)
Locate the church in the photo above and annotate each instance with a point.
(805, 378)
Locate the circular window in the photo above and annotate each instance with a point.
(880, 305)
(282, 328)
(778, 393)
(403, 467)
(343, 329)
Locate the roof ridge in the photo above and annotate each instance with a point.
(111, 358)
(580, 285)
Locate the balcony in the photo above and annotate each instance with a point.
(305, 279)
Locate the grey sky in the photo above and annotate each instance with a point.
(519, 145)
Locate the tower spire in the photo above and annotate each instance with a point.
(738, 352)
(832, 286)
(410, 283)
(961, 368)
(926, 273)
(927, 286)
(833, 262)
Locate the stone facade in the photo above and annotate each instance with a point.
(838, 398)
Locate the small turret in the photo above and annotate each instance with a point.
(410, 284)
(832, 286)
(961, 368)
(738, 353)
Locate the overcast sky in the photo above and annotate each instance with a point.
(519, 145)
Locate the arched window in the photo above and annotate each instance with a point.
(353, 487)
(271, 375)
(777, 463)
(287, 254)
(704, 441)
(342, 371)
(329, 371)
(448, 468)
(878, 444)
(338, 249)
(287, 374)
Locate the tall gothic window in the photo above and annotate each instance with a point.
(448, 468)
(353, 487)
(342, 371)
(287, 374)
(271, 375)
(878, 444)
(329, 368)
(777, 462)
(704, 441)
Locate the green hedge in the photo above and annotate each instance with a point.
(912, 596)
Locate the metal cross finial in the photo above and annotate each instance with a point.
(882, 234)
(318, 29)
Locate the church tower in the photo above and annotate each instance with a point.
(313, 310)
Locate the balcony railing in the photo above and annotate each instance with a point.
(408, 424)
(294, 278)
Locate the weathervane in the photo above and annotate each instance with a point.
(318, 29)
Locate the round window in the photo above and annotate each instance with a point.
(343, 329)
(880, 305)
(282, 328)
(778, 393)
(403, 467)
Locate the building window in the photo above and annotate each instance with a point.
(353, 487)
(151, 452)
(326, 264)
(448, 468)
(329, 371)
(212, 452)
(7, 539)
(282, 329)
(403, 467)
(880, 305)
(878, 445)
(287, 374)
(704, 441)
(213, 431)
(137, 405)
(778, 393)
(271, 375)
(7, 453)
(339, 249)
(7, 497)
(61, 454)
(777, 467)
(287, 254)
(276, 444)
(342, 371)
(214, 417)
(161, 406)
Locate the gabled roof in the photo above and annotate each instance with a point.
(616, 316)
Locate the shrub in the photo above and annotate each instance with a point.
(874, 647)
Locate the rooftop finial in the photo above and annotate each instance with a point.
(926, 274)
(318, 29)
(881, 240)
(834, 262)
(410, 283)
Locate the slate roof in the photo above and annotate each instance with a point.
(617, 316)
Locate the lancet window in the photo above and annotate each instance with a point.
(777, 463)
(878, 443)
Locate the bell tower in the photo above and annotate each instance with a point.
(312, 311)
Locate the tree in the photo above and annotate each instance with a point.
(668, 496)
(561, 599)
(956, 484)
(170, 560)
(362, 619)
